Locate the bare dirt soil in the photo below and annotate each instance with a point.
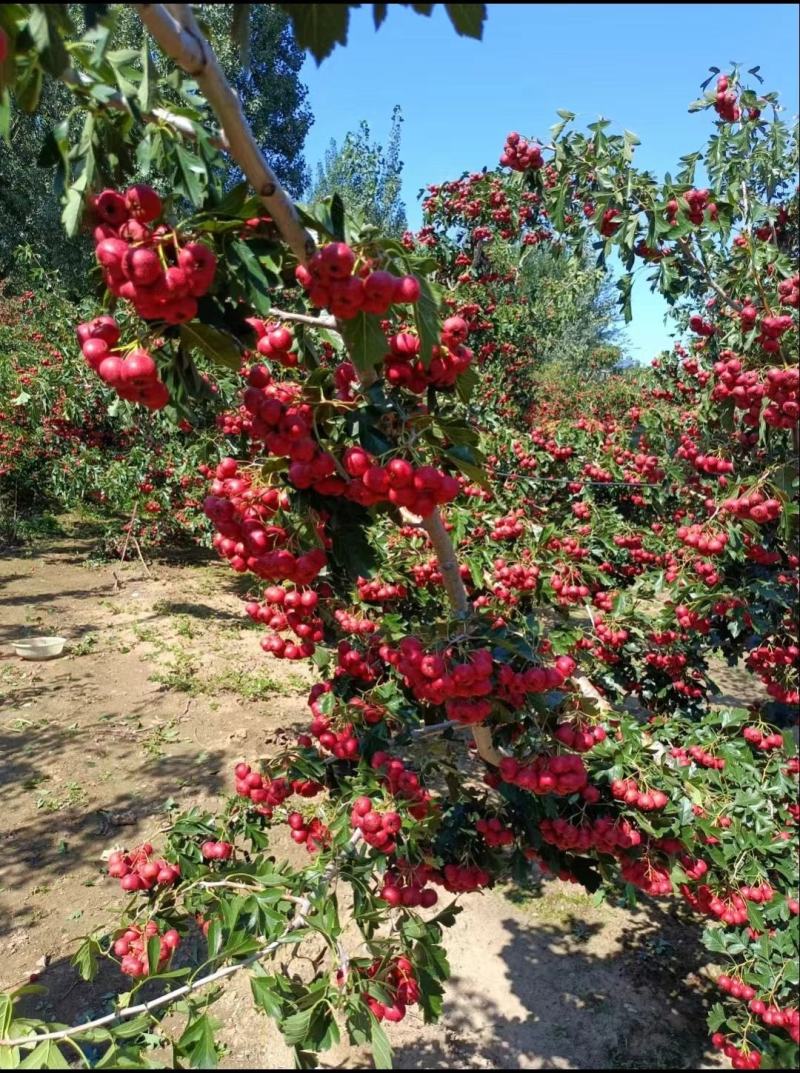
(162, 688)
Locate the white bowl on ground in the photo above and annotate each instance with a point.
(39, 647)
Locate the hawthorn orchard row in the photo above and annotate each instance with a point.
(514, 578)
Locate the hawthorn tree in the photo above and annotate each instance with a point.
(356, 439)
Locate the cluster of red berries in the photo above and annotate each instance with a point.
(712, 464)
(610, 222)
(355, 663)
(770, 1014)
(509, 526)
(707, 572)
(353, 624)
(789, 291)
(560, 775)
(149, 267)
(342, 743)
(246, 535)
(610, 637)
(403, 367)
(406, 884)
(760, 893)
(234, 422)
(137, 870)
(771, 665)
(646, 874)
(419, 489)
(744, 1058)
(314, 835)
(403, 783)
(762, 741)
(132, 948)
(260, 789)
(782, 388)
(465, 688)
(274, 341)
(216, 851)
(695, 536)
(725, 102)
(399, 982)
(377, 828)
(464, 878)
(771, 329)
(691, 620)
(495, 833)
(519, 155)
(568, 585)
(514, 576)
(581, 738)
(290, 609)
(648, 800)
(685, 756)
(285, 424)
(696, 203)
(733, 382)
(700, 326)
(730, 909)
(379, 591)
(754, 507)
(331, 284)
(429, 573)
(603, 834)
(135, 377)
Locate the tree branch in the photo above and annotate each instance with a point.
(177, 33)
(298, 920)
(316, 322)
(686, 246)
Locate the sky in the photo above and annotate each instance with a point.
(639, 65)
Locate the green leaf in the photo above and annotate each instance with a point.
(318, 27)
(45, 1056)
(257, 284)
(366, 344)
(337, 217)
(295, 1027)
(5, 115)
(193, 173)
(467, 19)
(85, 958)
(6, 1014)
(426, 318)
(381, 1048)
(219, 346)
(197, 1042)
(55, 146)
(28, 89)
(153, 954)
(265, 996)
(146, 92)
(462, 458)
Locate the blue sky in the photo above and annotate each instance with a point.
(639, 65)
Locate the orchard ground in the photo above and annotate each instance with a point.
(162, 688)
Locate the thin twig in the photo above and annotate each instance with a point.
(128, 532)
(302, 318)
(700, 265)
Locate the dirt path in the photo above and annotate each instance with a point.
(162, 689)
